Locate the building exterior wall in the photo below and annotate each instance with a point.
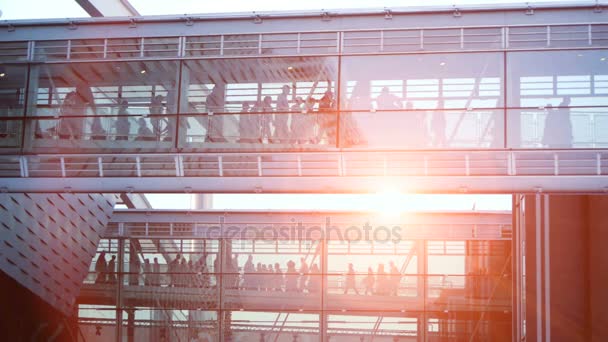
(48, 241)
(565, 271)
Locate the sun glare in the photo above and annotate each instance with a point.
(389, 203)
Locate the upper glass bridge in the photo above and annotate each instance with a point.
(481, 93)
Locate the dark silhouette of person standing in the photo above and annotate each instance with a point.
(249, 125)
(369, 281)
(101, 268)
(558, 127)
(388, 101)
(350, 282)
(112, 270)
(281, 117)
(215, 104)
(156, 109)
(123, 126)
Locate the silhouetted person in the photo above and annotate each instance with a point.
(369, 281)
(143, 132)
(147, 272)
(248, 273)
(387, 101)
(395, 279)
(123, 126)
(266, 118)
(303, 274)
(249, 124)
(257, 283)
(278, 277)
(134, 270)
(360, 100)
(191, 276)
(281, 118)
(558, 127)
(235, 262)
(291, 277)
(101, 268)
(350, 282)
(300, 122)
(72, 112)
(327, 117)
(314, 283)
(156, 109)
(264, 278)
(215, 104)
(381, 281)
(172, 268)
(112, 270)
(156, 270)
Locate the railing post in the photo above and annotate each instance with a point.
(62, 162)
(138, 166)
(100, 166)
(220, 166)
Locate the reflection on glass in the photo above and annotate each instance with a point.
(423, 129)
(87, 89)
(558, 127)
(12, 90)
(10, 133)
(260, 101)
(539, 79)
(441, 81)
(123, 131)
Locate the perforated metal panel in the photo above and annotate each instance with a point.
(48, 241)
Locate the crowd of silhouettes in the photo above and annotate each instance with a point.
(251, 276)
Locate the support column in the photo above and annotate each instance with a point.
(119, 286)
(324, 271)
(566, 267)
(422, 270)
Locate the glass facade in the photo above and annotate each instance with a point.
(340, 98)
(157, 289)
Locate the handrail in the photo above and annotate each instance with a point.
(327, 43)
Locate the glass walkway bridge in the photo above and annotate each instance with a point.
(217, 286)
(453, 101)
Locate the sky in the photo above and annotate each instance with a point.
(36, 9)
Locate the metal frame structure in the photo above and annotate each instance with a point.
(468, 308)
(494, 171)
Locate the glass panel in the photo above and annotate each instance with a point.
(369, 275)
(389, 326)
(411, 83)
(13, 51)
(558, 127)
(580, 77)
(12, 90)
(87, 89)
(125, 132)
(259, 102)
(271, 326)
(10, 132)
(423, 129)
(435, 81)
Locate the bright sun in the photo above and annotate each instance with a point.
(389, 203)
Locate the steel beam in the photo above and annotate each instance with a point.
(324, 184)
(108, 8)
(302, 225)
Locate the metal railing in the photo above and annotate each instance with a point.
(311, 164)
(414, 40)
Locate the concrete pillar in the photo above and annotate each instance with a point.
(566, 267)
